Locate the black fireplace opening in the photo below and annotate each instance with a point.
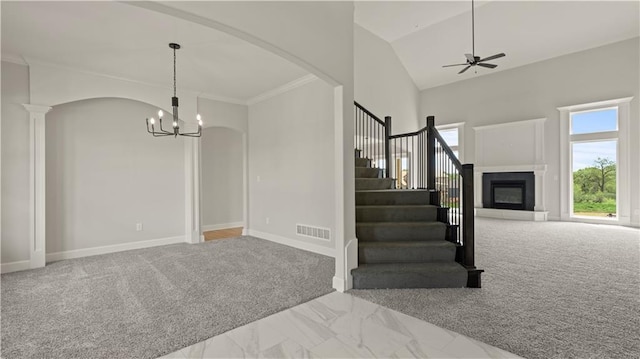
(508, 195)
(509, 190)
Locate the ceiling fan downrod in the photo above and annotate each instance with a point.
(472, 59)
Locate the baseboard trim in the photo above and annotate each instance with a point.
(330, 252)
(339, 284)
(94, 251)
(215, 227)
(15, 266)
(537, 216)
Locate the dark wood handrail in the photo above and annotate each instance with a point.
(369, 113)
(445, 147)
(409, 134)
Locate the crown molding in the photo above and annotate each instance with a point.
(587, 106)
(15, 59)
(38, 62)
(233, 100)
(34, 61)
(282, 89)
(27, 61)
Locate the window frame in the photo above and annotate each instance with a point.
(620, 135)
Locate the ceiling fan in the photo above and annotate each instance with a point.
(472, 59)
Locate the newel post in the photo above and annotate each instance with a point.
(387, 149)
(37, 185)
(431, 153)
(467, 216)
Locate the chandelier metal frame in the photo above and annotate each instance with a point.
(174, 103)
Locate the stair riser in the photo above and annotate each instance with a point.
(366, 172)
(363, 162)
(400, 233)
(405, 255)
(395, 214)
(408, 280)
(391, 198)
(373, 183)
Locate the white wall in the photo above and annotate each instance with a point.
(105, 173)
(223, 114)
(382, 84)
(536, 91)
(222, 177)
(15, 163)
(291, 164)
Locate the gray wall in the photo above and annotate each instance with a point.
(291, 149)
(105, 173)
(15, 163)
(382, 84)
(536, 91)
(221, 159)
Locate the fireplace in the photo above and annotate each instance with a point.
(509, 190)
(507, 194)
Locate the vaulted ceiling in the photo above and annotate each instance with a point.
(118, 39)
(428, 34)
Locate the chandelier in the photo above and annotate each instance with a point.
(151, 122)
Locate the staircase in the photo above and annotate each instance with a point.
(402, 236)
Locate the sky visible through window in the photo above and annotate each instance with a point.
(585, 153)
(450, 136)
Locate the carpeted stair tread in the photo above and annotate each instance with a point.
(368, 172)
(363, 162)
(400, 231)
(390, 213)
(393, 197)
(406, 252)
(409, 275)
(373, 183)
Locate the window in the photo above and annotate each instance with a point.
(453, 135)
(594, 121)
(594, 163)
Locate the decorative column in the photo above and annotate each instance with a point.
(192, 190)
(37, 185)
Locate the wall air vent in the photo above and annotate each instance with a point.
(314, 232)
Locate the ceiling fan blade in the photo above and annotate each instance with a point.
(491, 66)
(470, 58)
(493, 57)
(454, 65)
(465, 69)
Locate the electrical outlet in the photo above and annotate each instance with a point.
(266, 220)
(257, 178)
(637, 212)
(139, 226)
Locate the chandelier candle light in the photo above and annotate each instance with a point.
(174, 103)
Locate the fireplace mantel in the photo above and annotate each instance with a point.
(511, 147)
(517, 168)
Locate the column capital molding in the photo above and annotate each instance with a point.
(36, 108)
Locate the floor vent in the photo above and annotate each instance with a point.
(315, 232)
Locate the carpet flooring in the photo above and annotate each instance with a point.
(550, 290)
(150, 302)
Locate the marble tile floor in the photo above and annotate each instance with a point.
(339, 325)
